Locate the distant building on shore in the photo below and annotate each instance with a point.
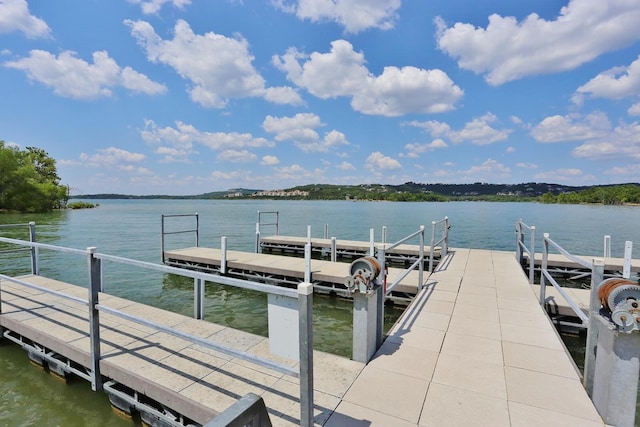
(281, 193)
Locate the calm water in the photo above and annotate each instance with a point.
(131, 228)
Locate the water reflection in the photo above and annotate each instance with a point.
(246, 310)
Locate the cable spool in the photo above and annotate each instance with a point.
(621, 298)
(363, 272)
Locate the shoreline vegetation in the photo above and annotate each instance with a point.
(30, 183)
(620, 194)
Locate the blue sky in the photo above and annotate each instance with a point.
(192, 96)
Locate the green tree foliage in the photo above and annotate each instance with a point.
(29, 181)
(606, 195)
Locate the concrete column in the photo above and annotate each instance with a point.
(365, 324)
(615, 383)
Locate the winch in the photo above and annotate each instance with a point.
(620, 299)
(363, 273)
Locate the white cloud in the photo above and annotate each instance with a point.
(478, 131)
(300, 130)
(511, 149)
(353, 15)
(111, 157)
(490, 170)
(342, 72)
(379, 162)
(634, 110)
(623, 142)
(346, 166)
(630, 173)
(615, 83)
(599, 139)
(507, 50)
(235, 177)
(218, 67)
(237, 156)
(527, 165)
(572, 127)
(567, 176)
(72, 77)
(181, 139)
(150, 7)
(297, 174)
(15, 16)
(270, 160)
(414, 150)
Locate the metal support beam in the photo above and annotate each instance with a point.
(597, 276)
(615, 385)
(198, 298)
(95, 275)
(35, 267)
(305, 316)
(365, 324)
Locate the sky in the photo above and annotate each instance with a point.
(184, 97)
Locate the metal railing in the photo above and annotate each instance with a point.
(303, 295)
(597, 276)
(164, 232)
(419, 263)
(521, 247)
(32, 238)
(261, 224)
(443, 242)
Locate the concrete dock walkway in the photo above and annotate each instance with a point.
(474, 348)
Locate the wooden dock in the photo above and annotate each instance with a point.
(190, 379)
(344, 248)
(325, 275)
(473, 348)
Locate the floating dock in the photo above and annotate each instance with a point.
(326, 276)
(347, 249)
(473, 347)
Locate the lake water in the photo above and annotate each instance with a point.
(131, 228)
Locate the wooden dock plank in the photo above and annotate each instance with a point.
(292, 267)
(342, 245)
(193, 380)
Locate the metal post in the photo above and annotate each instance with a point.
(519, 241)
(326, 231)
(445, 237)
(384, 234)
(381, 286)
(258, 248)
(162, 237)
(307, 262)
(626, 268)
(421, 265)
(545, 260)
(95, 274)
(223, 255)
(35, 267)
(597, 276)
(445, 244)
(198, 298)
(432, 250)
(372, 249)
(615, 388)
(532, 255)
(308, 234)
(334, 250)
(365, 325)
(607, 246)
(197, 230)
(305, 327)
